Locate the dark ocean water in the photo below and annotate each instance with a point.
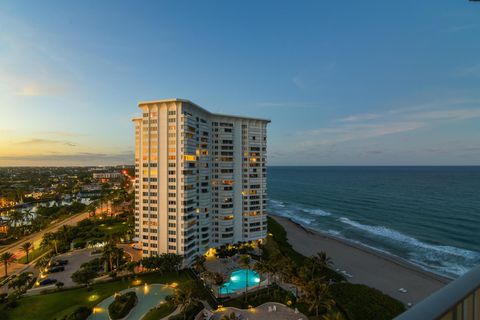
(429, 216)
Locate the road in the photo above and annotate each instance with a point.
(36, 238)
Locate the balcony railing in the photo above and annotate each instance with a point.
(459, 300)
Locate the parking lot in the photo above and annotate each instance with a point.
(75, 260)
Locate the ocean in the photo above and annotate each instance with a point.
(429, 216)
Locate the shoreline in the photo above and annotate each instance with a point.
(383, 255)
(368, 266)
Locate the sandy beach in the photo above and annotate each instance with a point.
(366, 265)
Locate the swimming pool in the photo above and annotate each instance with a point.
(148, 297)
(238, 280)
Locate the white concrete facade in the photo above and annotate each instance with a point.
(201, 178)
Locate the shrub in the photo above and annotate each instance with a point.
(360, 302)
(3, 297)
(122, 305)
(79, 244)
(192, 310)
(272, 294)
(81, 313)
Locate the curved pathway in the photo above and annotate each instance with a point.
(148, 297)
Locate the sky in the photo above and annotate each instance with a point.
(343, 82)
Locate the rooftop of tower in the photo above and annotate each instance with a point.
(196, 105)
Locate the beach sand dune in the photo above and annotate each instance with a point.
(367, 266)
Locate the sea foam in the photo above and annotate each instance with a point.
(437, 258)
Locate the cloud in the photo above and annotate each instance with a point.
(33, 90)
(362, 128)
(452, 114)
(81, 159)
(361, 117)
(288, 104)
(473, 70)
(299, 82)
(40, 141)
(61, 133)
(345, 133)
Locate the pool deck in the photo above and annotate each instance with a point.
(264, 311)
(226, 266)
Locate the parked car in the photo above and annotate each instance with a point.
(56, 269)
(47, 281)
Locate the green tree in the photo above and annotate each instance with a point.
(264, 267)
(130, 267)
(216, 278)
(113, 255)
(199, 263)
(7, 258)
(26, 247)
(171, 262)
(28, 214)
(49, 239)
(20, 281)
(315, 295)
(319, 262)
(84, 276)
(15, 217)
(188, 292)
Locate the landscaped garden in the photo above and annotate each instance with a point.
(313, 287)
(322, 289)
(59, 304)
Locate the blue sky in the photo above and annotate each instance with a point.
(344, 82)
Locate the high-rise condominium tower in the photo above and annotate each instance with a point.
(200, 178)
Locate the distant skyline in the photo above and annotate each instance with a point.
(344, 83)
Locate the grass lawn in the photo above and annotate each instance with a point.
(113, 228)
(33, 255)
(160, 312)
(58, 304)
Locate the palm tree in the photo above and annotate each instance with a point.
(26, 247)
(49, 239)
(64, 234)
(316, 296)
(28, 214)
(319, 262)
(130, 267)
(245, 261)
(334, 315)
(7, 258)
(183, 297)
(108, 254)
(216, 278)
(199, 263)
(264, 267)
(15, 216)
(286, 268)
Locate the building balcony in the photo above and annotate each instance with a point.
(460, 299)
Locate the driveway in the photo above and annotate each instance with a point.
(75, 260)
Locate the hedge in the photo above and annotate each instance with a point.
(122, 305)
